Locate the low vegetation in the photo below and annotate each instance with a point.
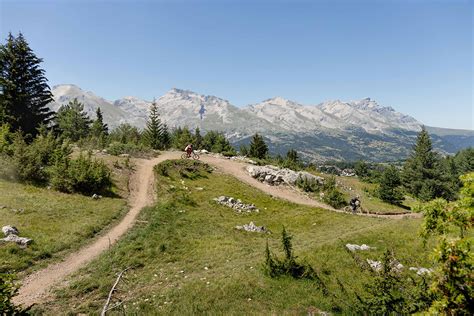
(56, 222)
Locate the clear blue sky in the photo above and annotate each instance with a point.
(414, 55)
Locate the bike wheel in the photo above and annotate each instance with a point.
(195, 156)
(184, 156)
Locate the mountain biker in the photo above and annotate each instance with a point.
(189, 150)
(355, 203)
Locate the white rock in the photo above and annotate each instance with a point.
(353, 247)
(421, 271)
(21, 241)
(251, 227)
(375, 265)
(9, 230)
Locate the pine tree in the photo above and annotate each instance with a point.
(422, 175)
(389, 190)
(72, 121)
(25, 93)
(153, 130)
(292, 156)
(258, 147)
(99, 129)
(197, 138)
(165, 137)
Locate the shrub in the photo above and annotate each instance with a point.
(335, 198)
(7, 291)
(83, 175)
(307, 184)
(116, 148)
(275, 267)
(27, 162)
(393, 293)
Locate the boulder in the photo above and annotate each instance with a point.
(236, 204)
(251, 227)
(276, 176)
(21, 241)
(421, 271)
(9, 230)
(353, 247)
(96, 196)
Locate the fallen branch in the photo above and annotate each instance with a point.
(112, 290)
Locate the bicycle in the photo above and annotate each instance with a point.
(359, 209)
(193, 155)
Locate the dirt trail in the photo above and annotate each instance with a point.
(36, 286)
(237, 169)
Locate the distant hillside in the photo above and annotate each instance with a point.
(331, 130)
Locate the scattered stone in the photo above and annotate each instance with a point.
(11, 235)
(251, 227)
(377, 265)
(9, 230)
(243, 159)
(21, 241)
(2, 207)
(348, 173)
(236, 204)
(20, 210)
(421, 271)
(275, 176)
(203, 151)
(199, 189)
(124, 155)
(352, 247)
(96, 196)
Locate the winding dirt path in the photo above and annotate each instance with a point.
(237, 169)
(36, 286)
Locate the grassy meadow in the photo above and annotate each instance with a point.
(57, 222)
(185, 256)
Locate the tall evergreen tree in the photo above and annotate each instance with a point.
(153, 130)
(99, 129)
(24, 91)
(292, 156)
(197, 138)
(258, 147)
(165, 137)
(389, 188)
(72, 121)
(422, 175)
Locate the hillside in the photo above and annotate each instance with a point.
(331, 130)
(185, 255)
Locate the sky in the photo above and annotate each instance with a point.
(413, 55)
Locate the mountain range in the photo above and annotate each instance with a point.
(336, 130)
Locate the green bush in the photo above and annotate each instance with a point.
(335, 198)
(275, 267)
(307, 184)
(116, 148)
(83, 175)
(392, 292)
(7, 291)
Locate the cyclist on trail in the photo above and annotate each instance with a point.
(189, 150)
(354, 203)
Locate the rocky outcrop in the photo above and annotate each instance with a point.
(275, 176)
(236, 204)
(11, 235)
(251, 227)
